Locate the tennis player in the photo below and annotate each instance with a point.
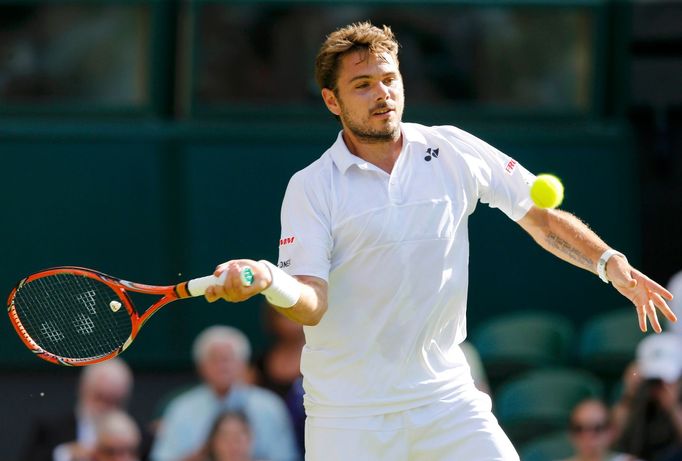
(373, 261)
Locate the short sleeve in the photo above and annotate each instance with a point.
(503, 183)
(305, 243)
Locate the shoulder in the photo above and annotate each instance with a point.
(313, 184)
(317, 172)
(263, 396)
(450, 133)
(187, 401)
(263, 401)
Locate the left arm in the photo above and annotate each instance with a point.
(568, 238)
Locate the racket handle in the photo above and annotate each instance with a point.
(197, 287)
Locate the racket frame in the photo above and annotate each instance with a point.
(170, 293)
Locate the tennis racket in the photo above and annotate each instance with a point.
(76, 316)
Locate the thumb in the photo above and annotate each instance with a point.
(630, 280)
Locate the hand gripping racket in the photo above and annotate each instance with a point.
(77, 316)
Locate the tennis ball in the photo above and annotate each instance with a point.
(547, 191)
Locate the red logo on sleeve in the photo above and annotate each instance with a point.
(510, 166)
(286, 241)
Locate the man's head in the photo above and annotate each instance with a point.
(590, 428)
(358, 72)
(220, 355)
(104, 387)
(658, 357)
(117, 438)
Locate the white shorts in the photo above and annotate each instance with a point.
(458, 428)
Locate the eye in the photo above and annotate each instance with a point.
(362, 85)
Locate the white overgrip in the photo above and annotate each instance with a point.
(197, 287)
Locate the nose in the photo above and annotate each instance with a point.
(383, 91)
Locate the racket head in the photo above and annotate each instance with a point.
(73, 316)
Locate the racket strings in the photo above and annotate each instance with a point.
(69, 316)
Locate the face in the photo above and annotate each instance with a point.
(232, 441)
(590, 430)
(104, 393)
(369, 97)
(220, 367)
(118, 447)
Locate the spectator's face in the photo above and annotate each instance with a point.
(232, 441)
(104, 393)
(116, 447)
(590, 430)
(220, 367)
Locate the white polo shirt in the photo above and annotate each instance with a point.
(394, 250)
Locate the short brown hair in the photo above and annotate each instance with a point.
(361, 36)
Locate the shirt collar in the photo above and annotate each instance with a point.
(343, 158)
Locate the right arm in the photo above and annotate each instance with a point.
(308, 310)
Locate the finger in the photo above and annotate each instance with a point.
(657, 288)
(641, 317)
(663, 307)
(233, 282)
(210, 295)
(220, 268)
(653, 318)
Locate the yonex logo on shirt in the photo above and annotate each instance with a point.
(283, 264)
(431, 152)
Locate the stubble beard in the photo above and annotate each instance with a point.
(390, 133)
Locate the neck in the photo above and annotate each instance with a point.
(383, 154)
(221, 392)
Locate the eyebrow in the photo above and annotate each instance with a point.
(362, 77)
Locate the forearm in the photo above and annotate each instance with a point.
(565, 236)
(303, 298)
(312, 303)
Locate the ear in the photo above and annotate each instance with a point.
(330, 101)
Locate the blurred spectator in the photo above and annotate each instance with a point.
(103, 387)
(117, 438)
(675, 287)
(230, 438)
(653, 427)
(220, 355)
(280, 365)
(294, 402)
(621, 408)
(592, 433)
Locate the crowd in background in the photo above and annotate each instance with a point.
(248, 408)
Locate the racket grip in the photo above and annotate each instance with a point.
(197, 287)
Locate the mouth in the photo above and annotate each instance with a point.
(383, 112)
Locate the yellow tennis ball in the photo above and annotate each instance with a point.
(547, 191)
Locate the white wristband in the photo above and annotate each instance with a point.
(284, 291)
(601, 264)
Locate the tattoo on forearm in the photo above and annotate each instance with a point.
(569, 250)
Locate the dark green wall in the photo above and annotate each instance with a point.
(161, 202)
